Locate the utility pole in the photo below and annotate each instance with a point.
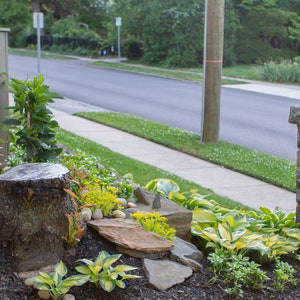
(4, 95)
(212, 69)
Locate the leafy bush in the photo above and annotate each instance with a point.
(36, 132)
(286, 71)
(237, 271)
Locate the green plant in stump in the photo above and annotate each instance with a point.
(103, 274)
(75, 229)
(55, 284)
(36, 129)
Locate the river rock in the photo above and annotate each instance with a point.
(97, 214)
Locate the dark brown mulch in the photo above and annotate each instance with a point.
(194, 288)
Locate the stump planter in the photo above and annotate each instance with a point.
(33, 208)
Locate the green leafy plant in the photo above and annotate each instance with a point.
(169, 188)
(162, 186)
(55, 284)
(273, 220)
(270, 233)
(284, 275)
(103, 274)
(86, 168)
(237, 271)
(154, 222)
(36, 129)
(75, 229)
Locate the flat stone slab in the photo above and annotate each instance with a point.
(130, 235)
(163, 274)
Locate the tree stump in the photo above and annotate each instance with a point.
(33, 208)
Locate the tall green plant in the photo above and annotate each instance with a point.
(36, 129)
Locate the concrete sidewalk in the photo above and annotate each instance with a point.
(224, 182)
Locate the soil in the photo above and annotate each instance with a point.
(195, 288)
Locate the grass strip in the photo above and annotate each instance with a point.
(194, 75)
(270, 169)
(33, 53)
(162, 72)
(141, 172)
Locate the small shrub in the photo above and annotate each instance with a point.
(284, 71)
(36, 132)
(284, 276)
(237, 271)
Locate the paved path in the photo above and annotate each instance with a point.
(236, 186)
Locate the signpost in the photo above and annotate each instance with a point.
(38, 23)
(118, 24)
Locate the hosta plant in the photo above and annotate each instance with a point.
(55, 284)
(169, 188)
(103, 274)
(270, 233)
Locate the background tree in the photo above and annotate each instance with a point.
(94, 14)
(173, 33)
(267, 31)
(15, 14)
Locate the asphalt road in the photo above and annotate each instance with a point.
(254, 120)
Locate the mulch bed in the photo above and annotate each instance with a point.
(194, 288)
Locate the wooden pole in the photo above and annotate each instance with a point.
(4, 100)
(212, 72)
